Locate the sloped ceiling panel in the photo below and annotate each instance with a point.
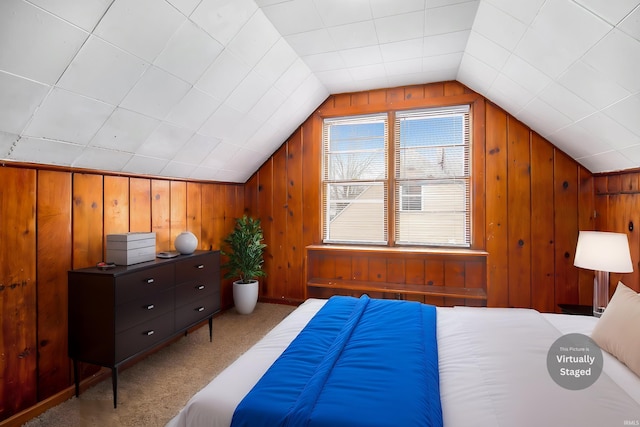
(208, 89)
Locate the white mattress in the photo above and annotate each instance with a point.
(492, 373)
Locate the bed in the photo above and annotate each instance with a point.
(492, 369)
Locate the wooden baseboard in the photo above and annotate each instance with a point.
(22, 417)
(284, 301)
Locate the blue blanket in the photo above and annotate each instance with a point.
(358, 362)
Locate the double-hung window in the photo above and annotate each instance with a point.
(355, 179)
(433, 177)
(410, 185)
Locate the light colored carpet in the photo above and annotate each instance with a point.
(152, 391)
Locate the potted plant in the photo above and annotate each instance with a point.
(244, 248)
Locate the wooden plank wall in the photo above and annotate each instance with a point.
(530, 200)
(58, 220)
(412, 268)
(18, 347)
(537, 199)
(617, 200)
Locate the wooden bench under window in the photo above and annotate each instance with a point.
(435, 276)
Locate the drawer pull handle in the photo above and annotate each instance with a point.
(151, 307)
(201, 287)
(200, 267)
(200, 309)
(149, 333)
(150, 281)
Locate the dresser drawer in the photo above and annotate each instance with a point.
(194, 291)
(194, 312)
(198, 268)
(133, 286)
(143, 336)
(142, 309)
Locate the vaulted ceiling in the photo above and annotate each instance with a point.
(208, 89)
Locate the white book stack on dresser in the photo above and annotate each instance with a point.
(131, 248)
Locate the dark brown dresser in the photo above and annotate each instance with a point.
(118, 314)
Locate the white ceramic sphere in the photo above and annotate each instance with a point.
(186, 242)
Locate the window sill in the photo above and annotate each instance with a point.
(399, 250)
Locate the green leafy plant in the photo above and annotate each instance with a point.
(244, 248)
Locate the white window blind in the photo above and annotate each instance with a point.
(355, 179)
(432, 153)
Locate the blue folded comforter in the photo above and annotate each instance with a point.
(358, 362)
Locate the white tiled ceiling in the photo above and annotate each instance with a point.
(208, 89)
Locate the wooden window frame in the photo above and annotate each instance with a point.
(478, 148)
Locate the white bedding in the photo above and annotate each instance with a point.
(492, 366)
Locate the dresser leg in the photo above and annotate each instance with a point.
(211, 329)
(75, 377)
(114, 383)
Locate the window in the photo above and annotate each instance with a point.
(433, 180)
(355, 179)
(424, 167)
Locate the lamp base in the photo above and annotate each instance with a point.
(600, 292)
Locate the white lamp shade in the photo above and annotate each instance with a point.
(603, 251)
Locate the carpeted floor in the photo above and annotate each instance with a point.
(152, 391)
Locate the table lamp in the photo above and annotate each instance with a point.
(603, 252)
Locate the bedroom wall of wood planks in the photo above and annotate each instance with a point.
(531, 197)
(617, 201)
(55, 220)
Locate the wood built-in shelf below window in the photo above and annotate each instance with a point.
(438, 276)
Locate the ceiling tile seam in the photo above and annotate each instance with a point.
(165, 47)
(637, 8)
(266, 118)
(181, 12)
(12, 147)
(512, 50)
(35, 111)
(298, 57)
(527, 24)
(552, 79)
(586, 64)
(66, 20)
(147, 66)
(597, 109)
(251, 67)
(599, 153)
(618, 102)
(28, 122)
(91, 140)
(602, 111)
(325, 25)
(73, 58)
(152, 63)
(498, 72)
(602, 18)
(464, 49)
(103, 15)
(88, 35)
(167, 71)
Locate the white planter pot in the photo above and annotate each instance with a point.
(245, 296)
